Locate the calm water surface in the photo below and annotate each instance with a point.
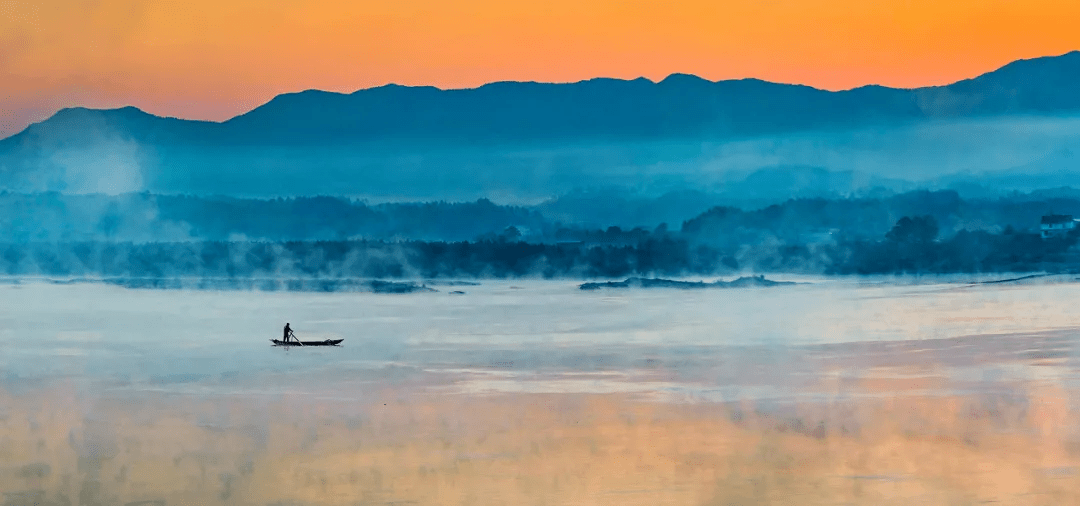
(530, 335)
(835, 391)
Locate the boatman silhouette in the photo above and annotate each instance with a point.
(288, 332)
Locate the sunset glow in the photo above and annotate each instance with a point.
(212, 60)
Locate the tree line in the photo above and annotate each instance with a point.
(912, 246)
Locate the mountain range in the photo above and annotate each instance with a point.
(526, 140)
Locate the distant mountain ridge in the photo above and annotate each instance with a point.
(322, 130)
(680, 105)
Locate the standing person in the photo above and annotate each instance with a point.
(288, 331)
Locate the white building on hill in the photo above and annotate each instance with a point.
(1054, 225)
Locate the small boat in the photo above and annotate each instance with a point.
(328, 342)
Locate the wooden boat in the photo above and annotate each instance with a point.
(328, 342)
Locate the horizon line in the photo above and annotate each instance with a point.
(537, 82)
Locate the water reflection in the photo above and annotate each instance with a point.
(878, 394)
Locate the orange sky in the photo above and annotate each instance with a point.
(212, 59)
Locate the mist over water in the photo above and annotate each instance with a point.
(538, 326)
(177, 396)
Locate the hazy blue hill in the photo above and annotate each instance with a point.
(143, 217)
(525, 138)
(79, 126)
(679, 106)
(1037, 85)
(604, 207)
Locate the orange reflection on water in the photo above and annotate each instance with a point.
(1018, 446)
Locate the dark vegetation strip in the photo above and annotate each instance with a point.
(911, 247)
